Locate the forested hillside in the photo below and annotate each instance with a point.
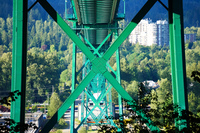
(191, 10)
(50, 52)
(49, 63)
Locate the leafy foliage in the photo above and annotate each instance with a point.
(11, 97)
(10, 126)
(55, 103)
(49, 55)
(62, 122)
(47, 60)
(195, 75)
(82, 130)
(163, 115)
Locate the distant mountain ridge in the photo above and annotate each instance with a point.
(191, 10)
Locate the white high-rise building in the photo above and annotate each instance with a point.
(148, 33)
(151, 34)
(162, 32)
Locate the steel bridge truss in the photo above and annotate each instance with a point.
(98, 85)
(99, 64)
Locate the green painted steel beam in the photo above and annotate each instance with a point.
(75, 9)
(72, 122)
(19, 54)
(90, 113)
(105, 114)
(87, 115)
(96, 102)
(99, 99)
(103, 42)
(119, 80)
(106, 104)
(118, 77)
(110, 103)
(87, 99)
(127, 97)
(91, 96)
(68, 102)
(177, 53)
(96, 50)
(148, 5)
(82, 105)
(99, 64)
(65, 27)
(83, 93)
(97, 26)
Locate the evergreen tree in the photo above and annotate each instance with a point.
(55, 103)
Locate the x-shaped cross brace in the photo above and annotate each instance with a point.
(98, 63)
(102, 95)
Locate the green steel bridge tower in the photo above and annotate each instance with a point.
(95, 24)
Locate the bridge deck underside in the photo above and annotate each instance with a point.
(96, 12)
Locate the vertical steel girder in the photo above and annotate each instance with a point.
(83, 94)
(19, 54)
(177, 53)
(110, 103)
(119, 79)
(73, 87)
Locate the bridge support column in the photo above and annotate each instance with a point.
(19, 54)
(83, 93)
(119, 80)
(177, 52)
(118, 77)
(72, 130)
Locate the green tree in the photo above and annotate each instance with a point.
(9, 25)
(38, 26)
(62, 122)
(42, 74)
(132, 89)
(193, 102)
(165, 85)
(55, 103)
(4, 38)
(34, 108)
(31, 37)
(3, 49)
(5, 72)
(2, 24)
(198, 34)
(143, 70)
(58, 131)
(82, 130)
(52, 49)
(63, 76)
(62, 45)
